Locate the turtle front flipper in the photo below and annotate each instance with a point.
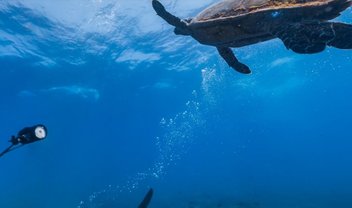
(168, 17)
(314, 37)
(231, 60)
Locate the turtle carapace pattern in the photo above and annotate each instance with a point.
(302, 25)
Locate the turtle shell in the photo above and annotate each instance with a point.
(237, 23)
(233, 8)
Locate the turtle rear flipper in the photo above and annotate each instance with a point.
(314, 37)
(343, 35)
(168, 17)
(231, 60)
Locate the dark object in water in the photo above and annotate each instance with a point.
(25, 136)
(147, 199)
(301, 25)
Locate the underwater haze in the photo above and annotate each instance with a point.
(129, 105)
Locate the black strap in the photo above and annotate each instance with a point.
(9, 149)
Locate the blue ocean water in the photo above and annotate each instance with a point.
(129, 105)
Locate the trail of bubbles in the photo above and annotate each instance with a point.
(179, 133)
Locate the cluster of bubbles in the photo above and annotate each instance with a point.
(178, 136)
(180, 132)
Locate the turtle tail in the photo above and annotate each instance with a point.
(168, 17)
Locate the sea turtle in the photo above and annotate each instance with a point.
(302, 25)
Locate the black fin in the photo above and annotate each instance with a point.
(231, 60)
(147, 199)
(169, 18)
(314, 37)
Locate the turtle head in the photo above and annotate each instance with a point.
(182, 31)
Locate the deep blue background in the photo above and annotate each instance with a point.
(280, 137)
